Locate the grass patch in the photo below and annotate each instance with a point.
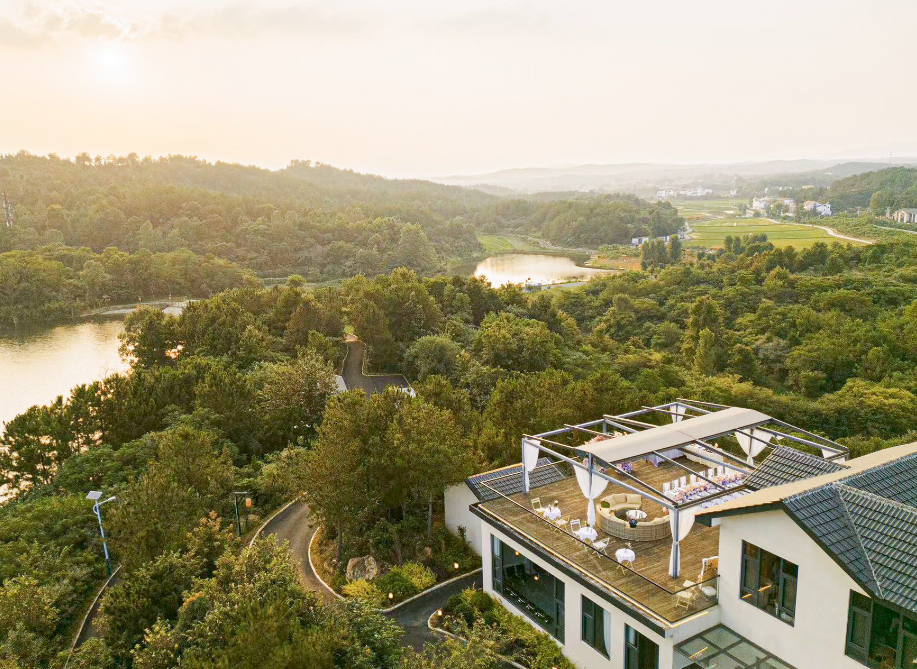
(506, 243)
(712, 234)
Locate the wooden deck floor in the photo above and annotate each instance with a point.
(651, 585)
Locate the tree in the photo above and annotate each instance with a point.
(291, 398)
(150, 337)
(519, 344)
(191, 476)
(705, 356)
(433, 354)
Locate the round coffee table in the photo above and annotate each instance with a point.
(635, 514)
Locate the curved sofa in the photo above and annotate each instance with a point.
(646, 530)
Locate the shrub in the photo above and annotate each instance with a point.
(364, 590)
(398, 583)
(419, 575)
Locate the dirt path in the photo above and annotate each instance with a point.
(371, 383)
(830, 231)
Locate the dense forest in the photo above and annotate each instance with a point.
(308, 218)
(895, 188)
(237, 394)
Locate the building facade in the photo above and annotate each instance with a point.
(806, 562)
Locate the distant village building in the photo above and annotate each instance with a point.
(905, 216)
(817, 207)
(639, 241)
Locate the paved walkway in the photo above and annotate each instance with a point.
(295, 525)
(356, 379)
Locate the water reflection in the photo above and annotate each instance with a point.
(534, 268)
(36, 367)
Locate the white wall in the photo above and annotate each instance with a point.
(579, 652)
(823, 593)
(458, 499)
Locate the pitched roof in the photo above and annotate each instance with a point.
(508, 480)
(874, 539)
(767, 497)
(864, 516)
(787, 464)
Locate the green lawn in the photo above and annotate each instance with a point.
(506, 243)
(711, 234)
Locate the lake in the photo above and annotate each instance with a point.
(534, 268)
(36, 367)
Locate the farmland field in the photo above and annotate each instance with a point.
(711, 234)
(693, 208)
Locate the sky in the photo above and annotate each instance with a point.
(426, 88)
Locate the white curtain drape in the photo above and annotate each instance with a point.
(685, 522)
(592, 486)
(679, 410)
(530, 453)
(753, 447)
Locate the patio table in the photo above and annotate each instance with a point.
(587, 533)
(551, 512)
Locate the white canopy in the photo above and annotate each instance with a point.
(683, 432)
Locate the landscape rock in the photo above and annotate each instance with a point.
(362, 567)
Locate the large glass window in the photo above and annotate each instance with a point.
(769, 582)
(879, 636)
(529, 587)
(596, 626)
(639, 651)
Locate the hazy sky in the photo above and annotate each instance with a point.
(432, 87)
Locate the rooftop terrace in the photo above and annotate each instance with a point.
(648, 584)
(671, 462)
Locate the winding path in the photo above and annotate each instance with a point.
(830, 231)
(295, 525)
(354, 376)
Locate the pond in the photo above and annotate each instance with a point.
(37, 366)
(534, 268)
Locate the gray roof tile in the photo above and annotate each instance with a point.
(508, 480)
(787, 464)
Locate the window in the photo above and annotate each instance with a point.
(769, 582)
(596, 626)
(530, 588)
(879, 636)
(639, 652)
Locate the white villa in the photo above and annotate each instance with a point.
(817, 207)
(905, 216)
(694, 535)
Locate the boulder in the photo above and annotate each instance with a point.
(362, 567)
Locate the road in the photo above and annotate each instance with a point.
(294, 525)
(355, 378)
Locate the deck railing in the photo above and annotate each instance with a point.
(676, 604)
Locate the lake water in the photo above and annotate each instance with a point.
(36, 367)
(534, 268)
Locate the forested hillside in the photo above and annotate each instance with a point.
(238, 394)
(311, 219)
(895, 187)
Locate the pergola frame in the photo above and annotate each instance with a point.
(628, 423)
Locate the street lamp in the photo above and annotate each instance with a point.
(94, 496)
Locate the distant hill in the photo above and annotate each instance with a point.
(643, 177)
(893, 188)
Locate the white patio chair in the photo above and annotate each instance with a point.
(693, 479)
(683, 481)
(601, 545)
(720, 470)
(684, 598)
(711, 473)
(666, 487)
(562, 523)
(536, 505)
(575, 525)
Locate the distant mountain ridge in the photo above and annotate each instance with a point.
(643, 176)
